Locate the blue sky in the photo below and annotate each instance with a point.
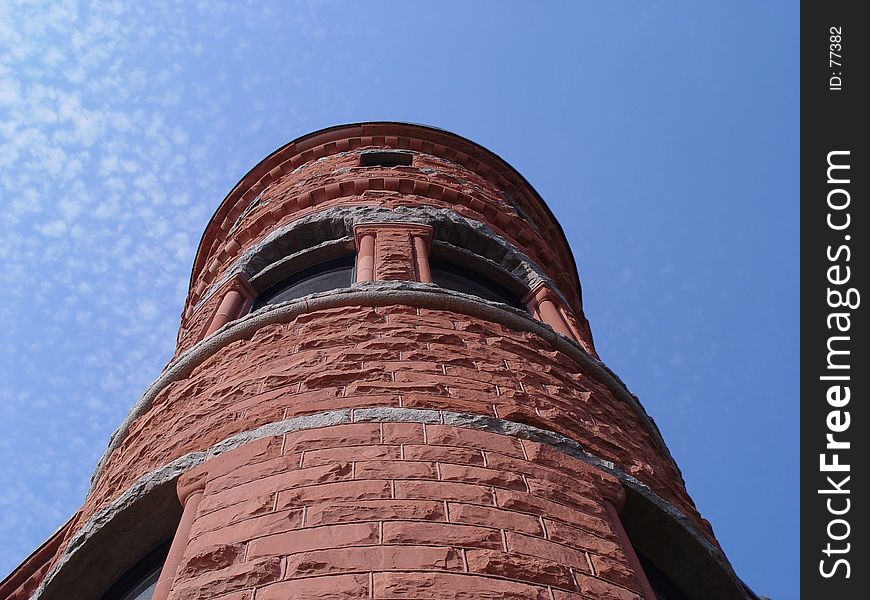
(664, 136)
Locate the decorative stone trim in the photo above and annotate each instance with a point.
(544, 304)
(237, 296)
(335, 226)
(392, 251)
(231, 247)
(179, 544)
(383, 293)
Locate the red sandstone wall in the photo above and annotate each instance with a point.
(391, 356)
(390, 510)
(401, 510)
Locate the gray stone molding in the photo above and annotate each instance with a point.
(382, 293)
(333, 227)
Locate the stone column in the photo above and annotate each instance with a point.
(628, 548)
(179, 544)
(542, 301)
(421, 255)
(236, 296)
(398, 251)
(365, 257)
(226, 312)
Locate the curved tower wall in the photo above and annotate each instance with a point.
(392, 437)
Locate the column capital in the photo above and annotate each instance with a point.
(539, 293)
(414, 230)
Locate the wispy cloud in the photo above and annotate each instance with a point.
(96, 222)
(114, 121)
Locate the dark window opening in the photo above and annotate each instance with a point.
(385, 159)
(322, 277)
(139, 582)
(460, 279)
(661, 584)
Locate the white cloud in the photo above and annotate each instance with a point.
(10, 91)
(112, 157)
(52, 228)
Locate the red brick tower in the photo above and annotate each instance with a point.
(384, 387)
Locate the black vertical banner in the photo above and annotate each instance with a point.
(835, 372)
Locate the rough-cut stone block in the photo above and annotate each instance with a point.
(541, 548)
(403, 433)
(535, 470)
(471, 514)
(325, 513)
(441, 533)
(546, 455)
(616, 570)
(444, 435)
(482, 476)
(244, 509)
(250, 528)
(212, 584)
(455, 586)
(431, 490)
(373, 558)
(352, 434)
(346, 490)
(255, 472)
(444, 454)
(528, 503)
(313, 458)
(316, 538)
(335, 587)
(599, 589)
(213, 558)
(583, 539)
(382, 469)
(575, 497)
(295, 479)
(522, 568)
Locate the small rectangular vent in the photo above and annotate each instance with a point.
(385, 159)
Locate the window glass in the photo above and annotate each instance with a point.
(144, 590)
(139, 582)
(322, 277)
(460, 279)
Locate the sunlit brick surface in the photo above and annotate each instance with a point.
(398, 510)
(391, 356)
(410, 506)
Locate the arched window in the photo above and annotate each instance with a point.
(329, 275)
(453, 277)
(139, 582)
